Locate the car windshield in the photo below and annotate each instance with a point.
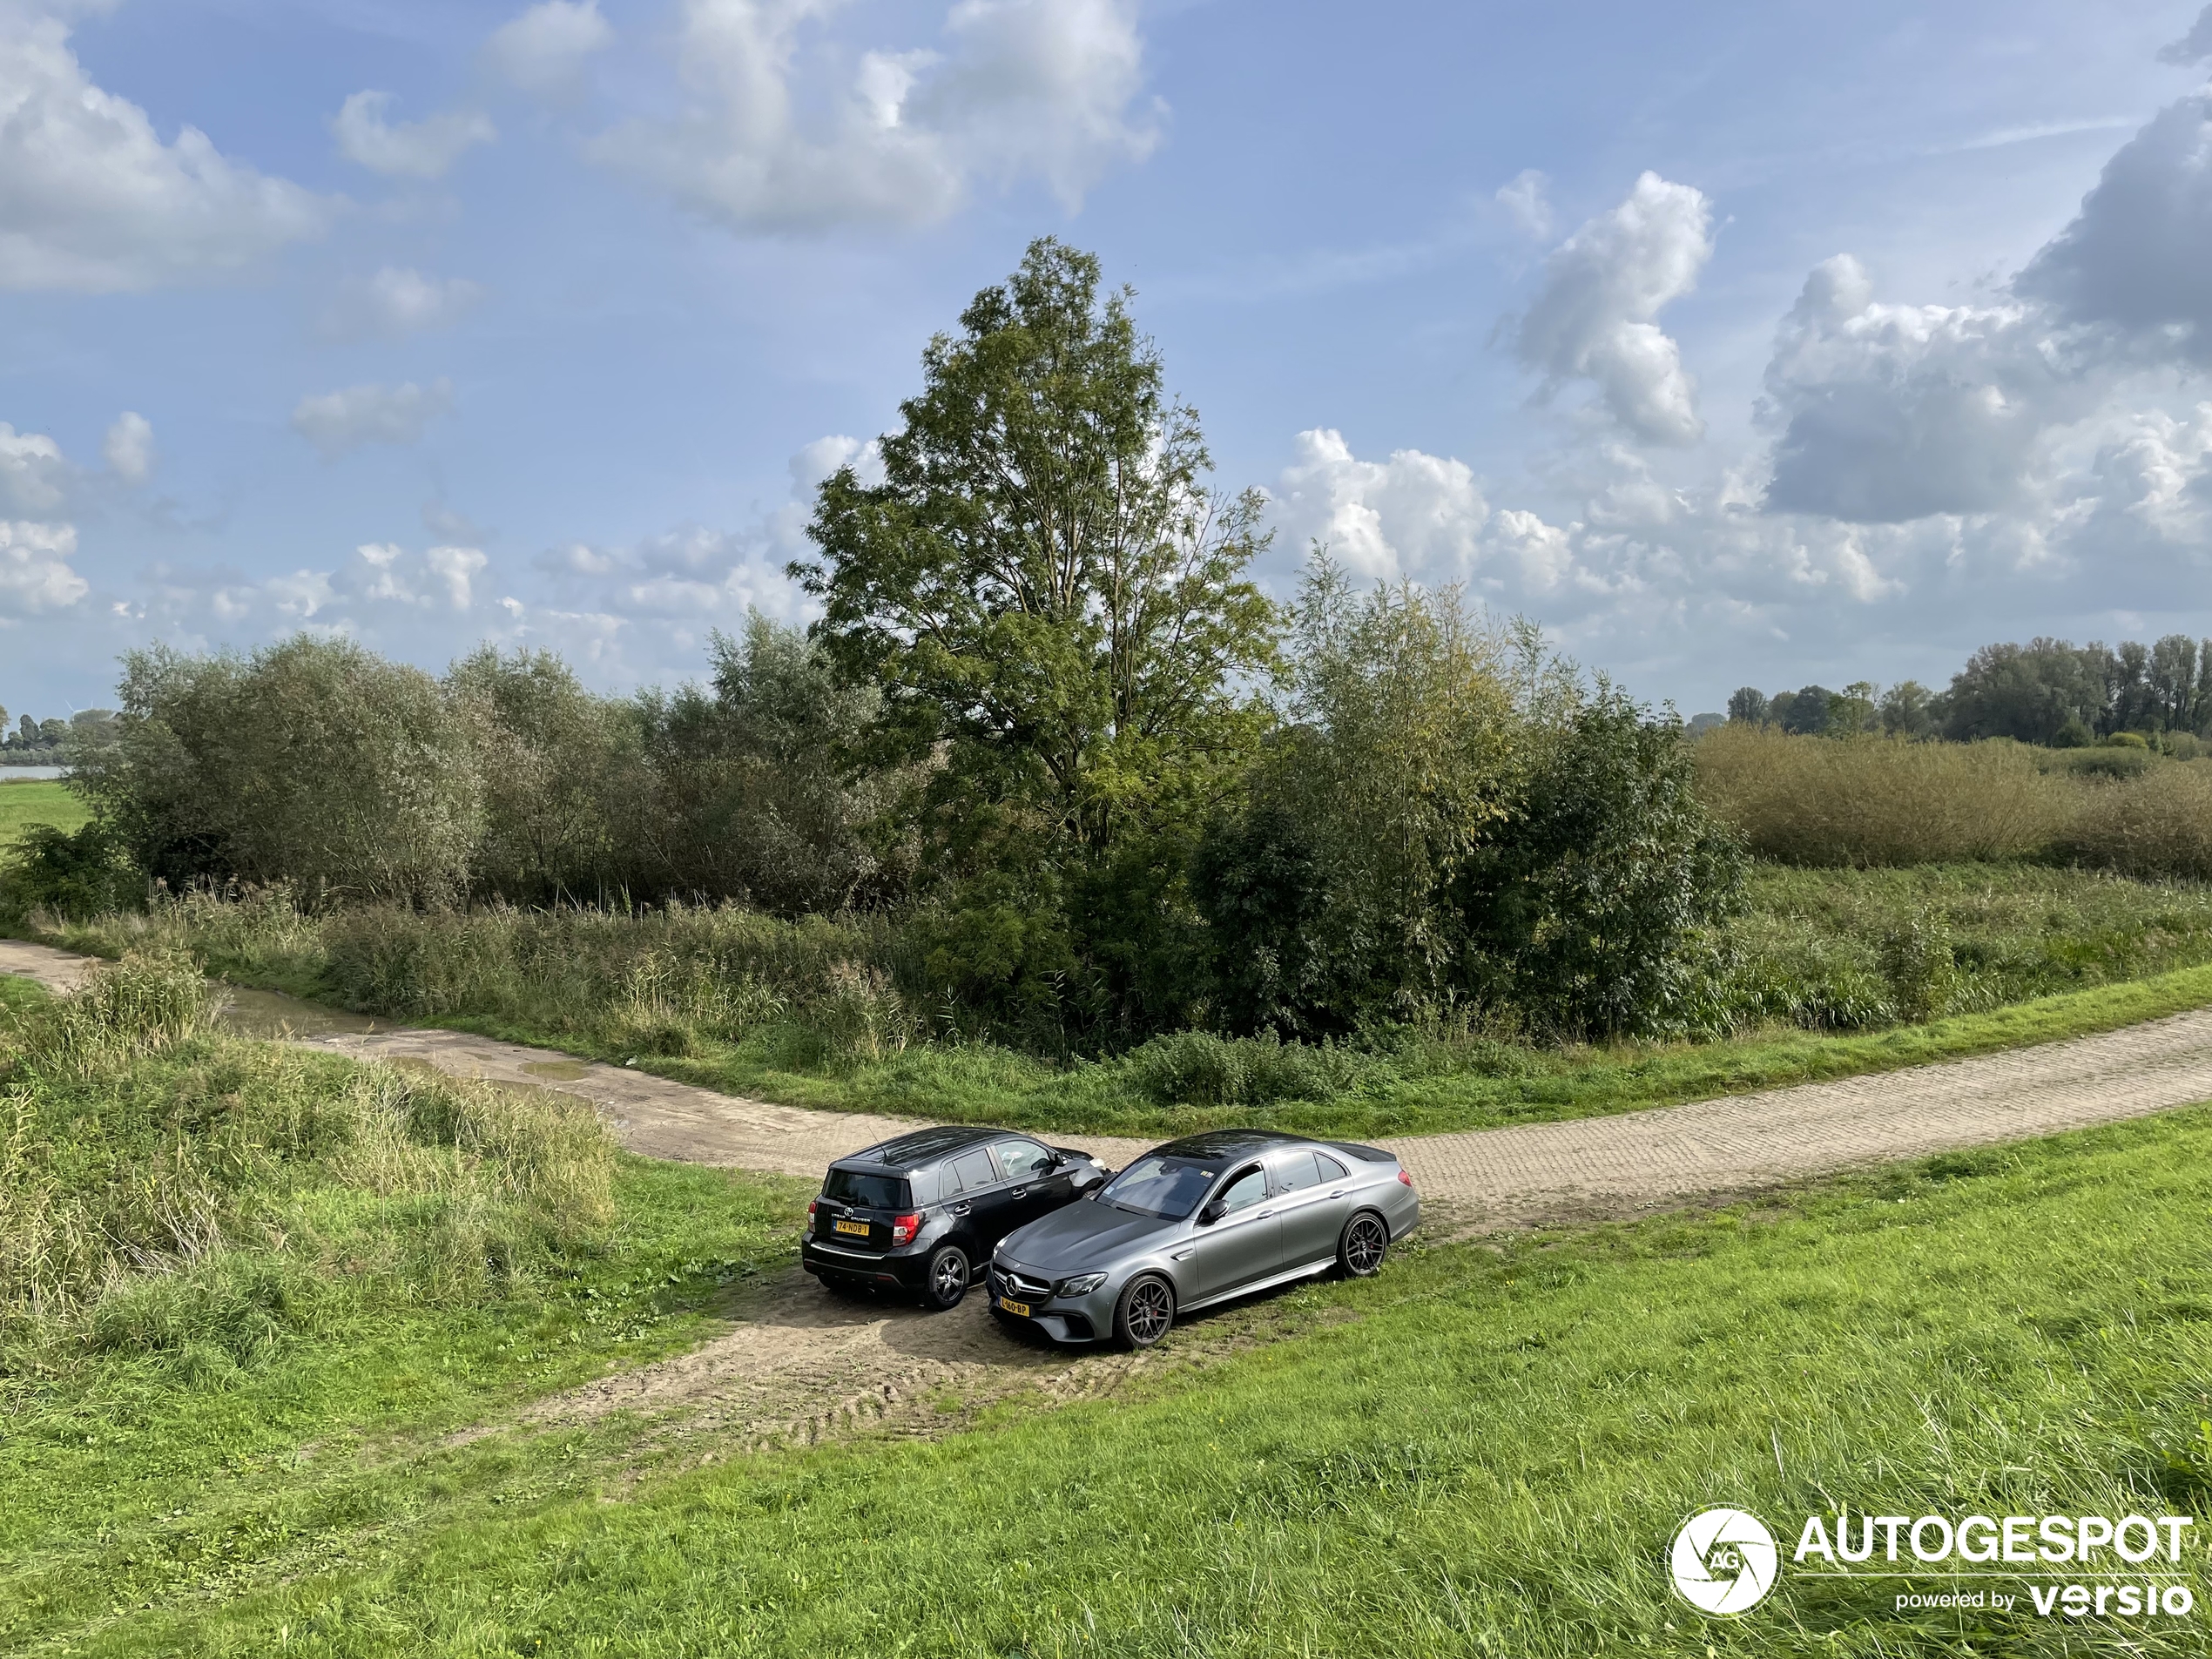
(869, 1191)
(1169, 1188)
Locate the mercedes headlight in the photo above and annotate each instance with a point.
(1081, 1286)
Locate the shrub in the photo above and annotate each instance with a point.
(77, 874)
(2157, 825)
(1867, 801)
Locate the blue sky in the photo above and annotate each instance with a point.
(1761, 343)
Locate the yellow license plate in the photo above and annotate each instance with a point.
(860, 1227)
(1013, 1306)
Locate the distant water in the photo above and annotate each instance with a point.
(18, 774)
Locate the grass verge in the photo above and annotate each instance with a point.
(1488, 1456)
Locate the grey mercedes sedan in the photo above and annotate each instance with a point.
(1197, 1222)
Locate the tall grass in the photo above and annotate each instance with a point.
(2159, 823)
(1868, 801)
(165, 1187)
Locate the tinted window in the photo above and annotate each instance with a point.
(870, 1191)
(1245, 1190)
(1295, 1170)
(1157, 1186)
(970, 1172)
(1021, 1159)
(1331, 1169)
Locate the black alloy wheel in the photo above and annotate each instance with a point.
(1366, 1242)
(1145, 1313)
(948, 1278)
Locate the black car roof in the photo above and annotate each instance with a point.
(1217, 1145)
(910, 1152)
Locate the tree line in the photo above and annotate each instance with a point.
(1107, 785)
(2048, 692)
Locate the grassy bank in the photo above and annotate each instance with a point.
(36, 800)
(244, 1291)
(1484, 1452)
(1834, 973)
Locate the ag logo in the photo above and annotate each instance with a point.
(1724, 1561)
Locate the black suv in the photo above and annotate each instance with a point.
(920, 1213)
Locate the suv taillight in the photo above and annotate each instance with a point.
(903, 1229)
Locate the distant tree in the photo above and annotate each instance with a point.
(1700, 723)
(2032, 691)
(1808, 712)
(1852, 711)
(1909, 710)
(1747, 706)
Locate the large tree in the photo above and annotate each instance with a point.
(1042, 575)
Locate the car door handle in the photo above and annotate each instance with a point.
(960, 1209)
(1020, 1192)
(1339, 1193)
(1265, 1214)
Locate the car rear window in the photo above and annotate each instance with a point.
(870, 1191)
(1169, 1188)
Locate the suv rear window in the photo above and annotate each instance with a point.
(871, 1191)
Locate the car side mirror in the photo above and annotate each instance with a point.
(1213, 1211)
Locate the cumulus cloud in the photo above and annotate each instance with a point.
(398, 301)
(35, 573)
(384, 572)
(337, 421)
(423, 149)
(92, 201)
(129, 448)
(33, 473)
(2136, 255)
(1412, 514)
(1893, 412)
(1043, 88)
(1603, 287)
(543, 50)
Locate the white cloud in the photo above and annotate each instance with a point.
(1604, 286)
(543, 50)
(33, 475)
(92, 201)
(35, 575)
(1524, 199)
(423, 149)
(337, 421)
(814, 463)
(398, 301)
(1024, 88)
(1412, 514)
(2135, 256)
(129, 448)
(1895, 412)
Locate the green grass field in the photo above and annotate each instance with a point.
(36, 800)
(1483, 1452)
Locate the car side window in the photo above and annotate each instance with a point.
(1294, 1171)
(1022, 1159)
(1244, 1192)
(971, 1172)
(1331, 1169)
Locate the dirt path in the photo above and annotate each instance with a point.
(798, 1364)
